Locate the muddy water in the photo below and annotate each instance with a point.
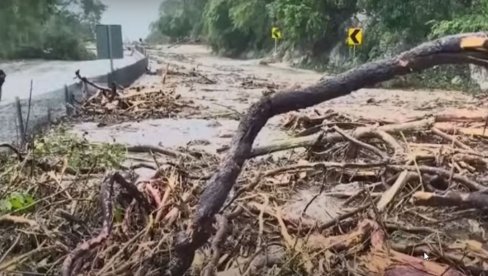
(172, 133)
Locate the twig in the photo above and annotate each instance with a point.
(163, 81)
(251, 186)
(217, 243)
(412, 229)
(29, 107)
(10, 249)
(85, 80)
(83, 248)
(473, 185)
(321, 165)
(390, 194)
(484, 128)
(353, 140)
(343, 217)
(19, 259)
(149, 148)
(451, 139)
(14, 149)
(132, 189)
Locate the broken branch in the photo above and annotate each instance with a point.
(477, 200)
(446, 50)
(75, 256)
(360, 132)
(353, 140)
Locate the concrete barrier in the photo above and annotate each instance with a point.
(52, 105)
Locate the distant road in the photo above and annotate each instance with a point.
(52, 75)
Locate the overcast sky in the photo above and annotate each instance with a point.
(135, 16)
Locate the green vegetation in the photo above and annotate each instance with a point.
(316, 29)
(79, 153)
(15, 202)
(50, 29)
(62, 151)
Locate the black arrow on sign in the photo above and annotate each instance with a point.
(276, 33)
(353, 36)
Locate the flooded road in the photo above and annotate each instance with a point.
(172, 133)
(233, 85)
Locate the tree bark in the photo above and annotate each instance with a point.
(447, 50)
(477, 200)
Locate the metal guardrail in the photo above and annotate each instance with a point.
(48, 107)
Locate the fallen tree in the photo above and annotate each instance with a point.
(463, 48)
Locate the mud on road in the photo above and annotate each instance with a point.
(221, 89)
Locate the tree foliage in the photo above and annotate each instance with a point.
(180, 18)
(315, 27)
(53, 29)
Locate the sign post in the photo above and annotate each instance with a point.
(109, 49)
(276, 35)
(109, 45)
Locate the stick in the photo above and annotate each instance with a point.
(20, 119)
(390, 194)
(217, 243)
(106, 199)
(446, 50)
(148, 148)
(86, 81)
(132, 189)
(451, 139)
(464, 200)
(361, 132)
(70, 264)
(29, 107)
(14, 149)
(353, 140)
(472, 185)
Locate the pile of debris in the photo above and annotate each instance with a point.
(136, 104)
(109, 106)
(363, 198)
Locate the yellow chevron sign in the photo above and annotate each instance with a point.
(354, 36)
(276, 33)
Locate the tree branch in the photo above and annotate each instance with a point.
(447, 50)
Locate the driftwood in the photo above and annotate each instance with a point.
(465, 200)
(360, 132)
(464, 48)
(109, 93)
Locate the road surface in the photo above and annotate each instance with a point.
(53, 75)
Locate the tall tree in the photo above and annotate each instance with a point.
(48, 28)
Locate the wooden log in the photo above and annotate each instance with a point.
(447, 50)
(464, 200)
